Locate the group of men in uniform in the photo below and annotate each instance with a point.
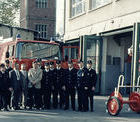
(36, 87)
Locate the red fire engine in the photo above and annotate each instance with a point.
(26, 51)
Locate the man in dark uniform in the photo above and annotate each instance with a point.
(82, 86)
(52, 79)
(8, 69)
(7, 66)
(70, 84)
(4, 87)
(58, 85)
(91, 78)
(46, 87)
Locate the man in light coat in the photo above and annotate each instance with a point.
(35, 77)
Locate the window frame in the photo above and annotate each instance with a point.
(42, 29)
(97, 7)
(41, 3)
(76, 5)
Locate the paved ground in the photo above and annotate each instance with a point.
(99, 115)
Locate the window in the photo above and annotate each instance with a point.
(37, 50)
(42, 31)
(71, 53)
(77, 7)
(41, 3)
(98, 3)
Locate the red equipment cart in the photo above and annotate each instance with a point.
(115, 101)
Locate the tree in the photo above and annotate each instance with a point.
(8, 11)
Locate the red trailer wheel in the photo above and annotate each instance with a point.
(119, 97)
(135, 106)
(114, 106)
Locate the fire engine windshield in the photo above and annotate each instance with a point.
(29, 50)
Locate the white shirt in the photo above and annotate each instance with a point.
(47, 70)
(24, 72)
(17, 74)
(81, 68)
(58, 68)
(70, 69)
(51, 69)
(90, 69)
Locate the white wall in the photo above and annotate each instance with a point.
(112, 16)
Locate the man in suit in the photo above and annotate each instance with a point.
(4, 87)
(46, 87)
(35, 77)
(25, 85)
(70, 84)
(58, 86)
(16, 83)
(82, 86)
(8, 69)
(91, 78)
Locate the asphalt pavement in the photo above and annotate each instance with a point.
(99, 115)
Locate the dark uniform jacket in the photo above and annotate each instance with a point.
(52, 76)
(16, 84)
(4, 82)
(82, 79)
(59, 82)
(9, 69)
(91, 77)
(46, 80)
(71, 78)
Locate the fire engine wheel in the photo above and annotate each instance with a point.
(114, 106)
(136, 105)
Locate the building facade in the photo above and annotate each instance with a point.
(103, 29)
(39, 15)
(12, 32)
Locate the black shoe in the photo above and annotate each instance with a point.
(48, 108)
(66, 108)
(18, 108)
(73, 109)
(30, 108)
(6, 109)
(91, 110)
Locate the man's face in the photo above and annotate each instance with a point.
(47, 67)
(23, 67)
(58, 65)
(81, 65)
(35, 65)
(39, 64)
(89, 66)
(17, 66)
(2, 69)
(7, 64)
(51, 66)
(70, 65)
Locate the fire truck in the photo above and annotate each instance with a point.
(26, 51)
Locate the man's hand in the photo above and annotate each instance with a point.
(10, 89)
(64, 88)
(93, 89)
(52, 87)
(86, 88)
(34, 83)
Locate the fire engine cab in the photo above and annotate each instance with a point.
(26, 51)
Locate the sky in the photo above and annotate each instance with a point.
(59, 16)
